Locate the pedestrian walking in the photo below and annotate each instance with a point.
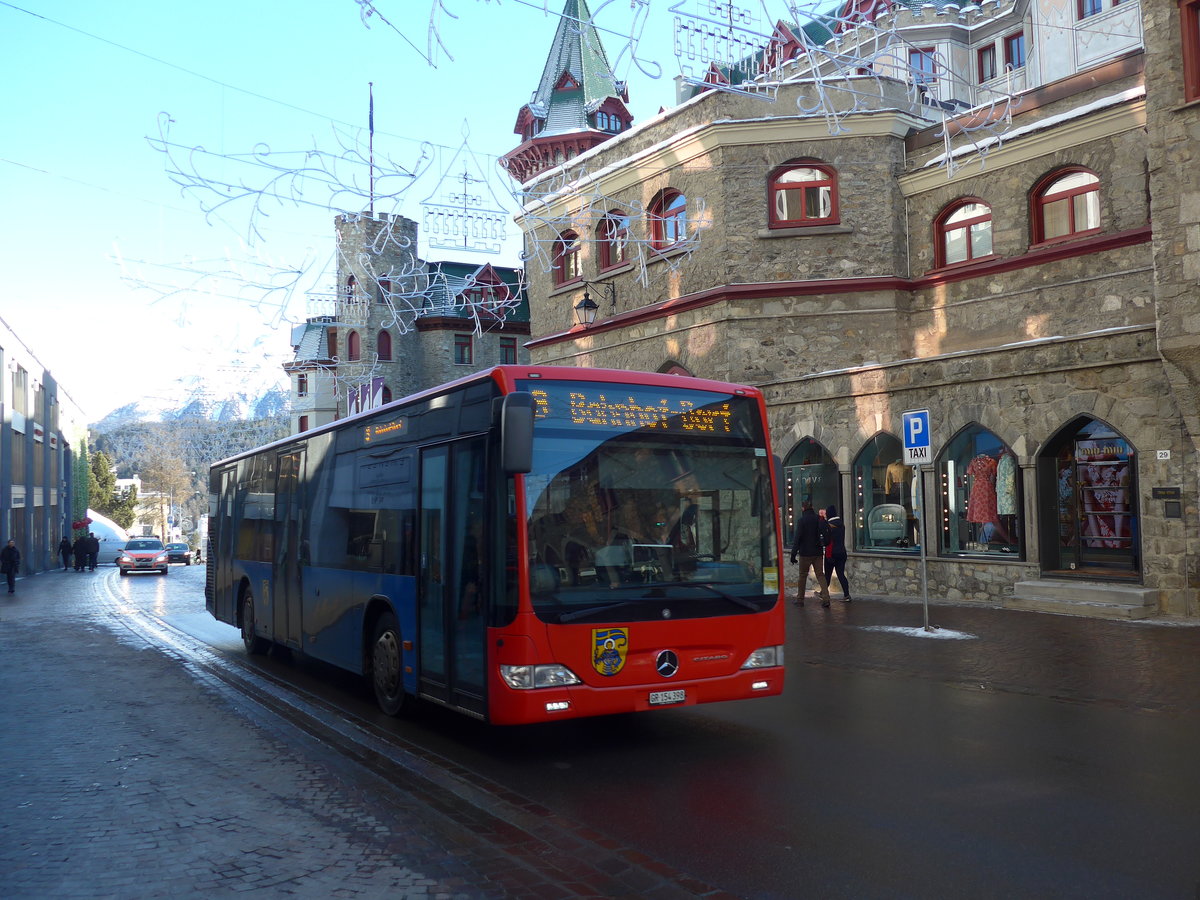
(808, 549)
(79, 551)
(835, 551)
(65, 551)
(93, 550)
(10, 564)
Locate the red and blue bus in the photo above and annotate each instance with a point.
(522, 545)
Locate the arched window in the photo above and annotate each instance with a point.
(387, 394)
(964, 233)
(1066, 205)
(803, 194)
(884, 502)
(566, 258)
(979, 488)
(668, 220)
(809, 473)
(383, 345)
(613, 236)
(349, 290)
(353, 346)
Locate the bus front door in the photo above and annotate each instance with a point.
(290, 525)
(452, 595)
(220, 552)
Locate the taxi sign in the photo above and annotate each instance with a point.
(915, 424)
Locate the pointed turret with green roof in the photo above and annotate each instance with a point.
(578, 104)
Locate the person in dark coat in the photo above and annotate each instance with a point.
(809, 550)
(65, 551)
(93, 550)
(835, 551)
(80, 551)
(10, 564)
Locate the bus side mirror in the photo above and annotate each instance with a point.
(516, 433)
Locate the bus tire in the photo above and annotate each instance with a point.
(255, 644)
(387, 675)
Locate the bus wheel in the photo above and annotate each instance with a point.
(386, 675)
(254, 643)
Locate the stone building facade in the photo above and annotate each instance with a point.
(400, 324)
(1031, 283)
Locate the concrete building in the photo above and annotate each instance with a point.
(400, 324)
(987, 211)
(41, 433)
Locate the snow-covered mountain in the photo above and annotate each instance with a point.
(219, 394)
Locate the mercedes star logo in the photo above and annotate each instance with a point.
(667, 663)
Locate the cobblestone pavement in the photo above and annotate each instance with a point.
(122, 775)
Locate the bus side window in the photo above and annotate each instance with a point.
(360, 529)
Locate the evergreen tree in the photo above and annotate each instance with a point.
(124, 511)
(79, 502)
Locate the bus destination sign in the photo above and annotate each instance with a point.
(603, 407)
(378, 431)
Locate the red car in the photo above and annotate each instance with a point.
(143, 555)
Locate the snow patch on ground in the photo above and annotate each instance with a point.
(943, 634)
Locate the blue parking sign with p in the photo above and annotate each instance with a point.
(915, 424)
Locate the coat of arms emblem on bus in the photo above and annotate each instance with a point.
(609, 646)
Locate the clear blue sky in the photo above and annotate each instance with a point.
(90, 215)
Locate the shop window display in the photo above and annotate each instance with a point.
(809, 473)
(979, 488)
(1090, 470)
(885, 503)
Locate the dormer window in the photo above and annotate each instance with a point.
(608, 122)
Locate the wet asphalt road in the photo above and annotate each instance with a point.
(1009, 755)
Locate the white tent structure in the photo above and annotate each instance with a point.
(112, 537)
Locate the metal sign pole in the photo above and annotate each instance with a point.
(920, 482)
(917, 440)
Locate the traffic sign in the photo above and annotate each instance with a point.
(915, 424)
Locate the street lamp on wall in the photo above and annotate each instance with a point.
(586, 309)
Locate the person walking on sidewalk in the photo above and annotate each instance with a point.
(809, 550)
(65, 551)
(10, 564)
(80, 551)
(835, 551)
(93, 550)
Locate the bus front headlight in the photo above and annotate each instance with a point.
(764, 657)
(524, 678)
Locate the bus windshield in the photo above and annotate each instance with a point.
(648, 502)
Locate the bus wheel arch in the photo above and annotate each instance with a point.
(384, 661)
(255, 644)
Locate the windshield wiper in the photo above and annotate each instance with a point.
(732, 598)
(592, 610)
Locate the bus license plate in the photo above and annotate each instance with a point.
(665, 698)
